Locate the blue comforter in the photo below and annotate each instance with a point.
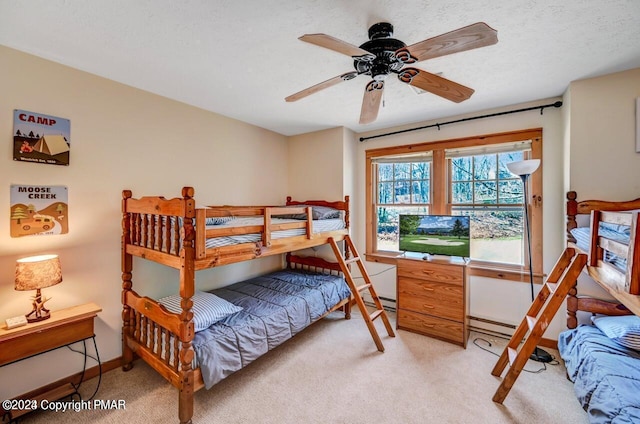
(606, 375)
(275, 308)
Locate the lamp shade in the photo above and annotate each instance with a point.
(523, 167)
(37, 272)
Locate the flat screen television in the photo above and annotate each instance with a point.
(435, 234)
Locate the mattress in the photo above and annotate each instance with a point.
(319, 226)
(276, 307)
(606, 375)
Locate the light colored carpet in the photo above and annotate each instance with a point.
(332, 373)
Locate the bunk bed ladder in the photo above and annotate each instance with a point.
(561, 279)
(356, 290)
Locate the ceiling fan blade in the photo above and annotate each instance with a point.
(371, 101)
(321, 86)
(332, 43)
(462, 39)
(435, 84)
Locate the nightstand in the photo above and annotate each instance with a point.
(63, 328)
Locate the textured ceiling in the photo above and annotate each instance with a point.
(241, 58)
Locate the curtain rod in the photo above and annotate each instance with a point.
(438, 125)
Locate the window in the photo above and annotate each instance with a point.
(483, 188)
(459, 177)
(403, 187)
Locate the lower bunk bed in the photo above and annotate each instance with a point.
(263, 313)
(232, 326)
(601, 348)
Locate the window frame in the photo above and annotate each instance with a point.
(440, 181)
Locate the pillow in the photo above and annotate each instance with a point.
(616, 228)
(317, 212)
(624, 330)
(325, 212)
(207, 308)
(218, 220)
(583, 237)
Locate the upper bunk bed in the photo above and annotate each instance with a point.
(156, 228)
(609, 233)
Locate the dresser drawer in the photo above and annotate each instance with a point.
(431, 326)
(434, 271)
(433, 298)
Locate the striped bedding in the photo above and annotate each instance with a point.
(319, 226)
(583, 241)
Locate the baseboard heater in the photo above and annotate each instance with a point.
(481, 324)
(388, 304)
(496, 328)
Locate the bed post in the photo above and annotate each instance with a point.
(127, 264)
(572, 211)
(572, 296)
(187, 289)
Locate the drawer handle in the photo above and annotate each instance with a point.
(429, 306)
(428, 289)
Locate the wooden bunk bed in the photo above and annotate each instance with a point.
(603, 357)
(176, 233)
(623, 284)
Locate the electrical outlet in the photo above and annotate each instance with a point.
(14, 322)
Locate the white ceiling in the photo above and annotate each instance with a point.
(241, 58)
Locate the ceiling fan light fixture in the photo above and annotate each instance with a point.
(383, 55)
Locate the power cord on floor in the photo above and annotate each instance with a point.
(378, 273)
(544, 365)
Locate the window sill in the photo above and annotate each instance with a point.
(506, 272)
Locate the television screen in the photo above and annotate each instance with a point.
(435, 234)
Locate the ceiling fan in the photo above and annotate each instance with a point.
(383, 55)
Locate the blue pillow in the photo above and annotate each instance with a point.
(207, 308)
(624, 330)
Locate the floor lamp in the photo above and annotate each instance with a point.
(524, 169)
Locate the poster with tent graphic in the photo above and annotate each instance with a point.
(41, 138)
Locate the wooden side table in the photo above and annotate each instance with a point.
(63, 328)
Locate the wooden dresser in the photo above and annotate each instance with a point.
(432, 297)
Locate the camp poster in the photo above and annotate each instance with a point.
(41, 138)
(38, 210)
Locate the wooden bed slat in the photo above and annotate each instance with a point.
(616, 218)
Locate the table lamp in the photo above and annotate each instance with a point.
(35, 273)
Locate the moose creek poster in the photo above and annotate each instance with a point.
(41, 138)
(39, 210)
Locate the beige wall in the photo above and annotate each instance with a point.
(121, 138)
(316, 162)
(603, 162)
